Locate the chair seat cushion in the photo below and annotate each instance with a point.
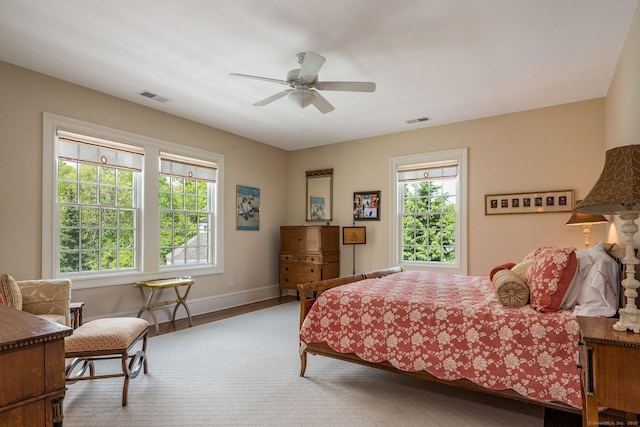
(105, 334)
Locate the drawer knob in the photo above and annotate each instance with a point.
(312, 270)
(579, 366)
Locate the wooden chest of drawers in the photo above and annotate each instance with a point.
(307, 254)
(32, 384)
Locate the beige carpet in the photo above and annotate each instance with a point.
(244, 371)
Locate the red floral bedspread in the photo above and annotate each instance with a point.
(453, 327)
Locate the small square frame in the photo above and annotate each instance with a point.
(366, 206)
(354, 235)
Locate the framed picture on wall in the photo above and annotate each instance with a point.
(366, 205)
(248, 208)
(520, 203)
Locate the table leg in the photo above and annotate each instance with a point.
(146, 301)
(182, 299)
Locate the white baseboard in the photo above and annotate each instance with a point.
(203, 305)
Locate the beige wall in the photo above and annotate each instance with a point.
(623, 99)
(559, 147)
(25, 95)
(554, 148)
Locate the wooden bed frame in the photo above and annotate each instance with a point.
(554, 413)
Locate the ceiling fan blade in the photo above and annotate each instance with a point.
(322, 104)
(347, 86)
(273, 98)
(266, 79)
(310, 66)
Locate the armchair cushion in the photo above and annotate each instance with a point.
(10, 292)
(48, 299)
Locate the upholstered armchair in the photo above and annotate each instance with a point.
(48, 299)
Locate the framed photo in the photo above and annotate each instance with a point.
(520, 203)
(366, 205)
(248, 208)
(354, 235)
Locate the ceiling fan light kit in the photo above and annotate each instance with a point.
(302, 97)
(304, 84)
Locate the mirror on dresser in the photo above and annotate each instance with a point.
(319, 203)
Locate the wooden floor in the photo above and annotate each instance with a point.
(217, 315)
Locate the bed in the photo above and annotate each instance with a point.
(458, 330)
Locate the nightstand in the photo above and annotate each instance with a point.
(610, 370)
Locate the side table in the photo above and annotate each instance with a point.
(148, 289)
(76, 314)
(609, 370)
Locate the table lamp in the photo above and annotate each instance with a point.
(586, 221)
(617, 191)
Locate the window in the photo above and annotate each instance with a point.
(97, 203)
(429, 211)
(185, 210)
(119, 207)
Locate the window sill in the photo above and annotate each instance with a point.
(128, 278)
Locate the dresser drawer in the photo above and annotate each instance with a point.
(310, 259)
(292, 274)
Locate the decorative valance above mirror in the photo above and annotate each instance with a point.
(319, 195)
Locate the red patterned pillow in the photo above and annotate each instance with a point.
(549, 277)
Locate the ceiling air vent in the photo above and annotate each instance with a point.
(421, 119)
(153, 96)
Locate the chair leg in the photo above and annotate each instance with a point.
(125, 386)
(144, 351)
(303, 363)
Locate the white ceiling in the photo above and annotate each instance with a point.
(450, 60)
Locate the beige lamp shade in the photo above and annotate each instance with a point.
(618, 187)
(578, 218)
(586, 220)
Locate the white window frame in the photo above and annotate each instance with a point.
(148, 263)
(395, 255)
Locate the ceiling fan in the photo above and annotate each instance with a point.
(302, 82)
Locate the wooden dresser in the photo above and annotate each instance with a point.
(308, 253)
(609, 370)
(32, 383)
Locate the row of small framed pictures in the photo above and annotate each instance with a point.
(538, 202)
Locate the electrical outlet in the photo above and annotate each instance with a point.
(231, 282)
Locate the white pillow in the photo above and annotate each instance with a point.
(585, 262)
(598, 295)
